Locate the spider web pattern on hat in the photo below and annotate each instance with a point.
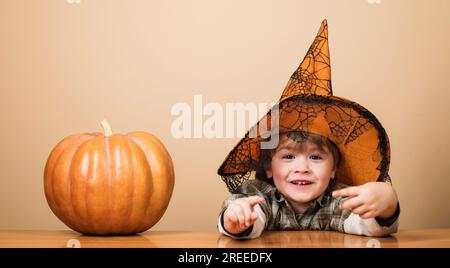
(313, 76)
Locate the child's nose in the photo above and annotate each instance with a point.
(301, 166)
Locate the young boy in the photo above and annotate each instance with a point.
(295, 190)
(328, 171)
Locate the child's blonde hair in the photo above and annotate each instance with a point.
(296, 140)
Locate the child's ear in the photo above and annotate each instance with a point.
(333, 174)
(269, 173)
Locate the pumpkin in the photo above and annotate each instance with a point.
(109, 184)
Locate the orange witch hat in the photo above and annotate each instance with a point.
(307, 104)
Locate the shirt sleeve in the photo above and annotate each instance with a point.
(389, 221)
(354, 224)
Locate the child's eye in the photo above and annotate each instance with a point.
(315, 157)
(288, 156)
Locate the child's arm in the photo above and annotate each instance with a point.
(370, 200)
(371, 204)
(240, 216)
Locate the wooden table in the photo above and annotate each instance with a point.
(178, 239)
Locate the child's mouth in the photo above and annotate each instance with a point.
(300, 182)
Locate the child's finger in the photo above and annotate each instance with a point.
(360, 210)
(349, 191)
(238, 211)
(367, 215)
(351, 203)
(230, 216)
(247, 213)
(253, 217)
(231, 220)
(254, 200)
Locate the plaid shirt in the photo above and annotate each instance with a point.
(322, 214)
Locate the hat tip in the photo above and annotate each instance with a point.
(324, 22)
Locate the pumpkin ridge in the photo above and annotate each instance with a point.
(51, 177)
(142, 138)
(143, 222)
(76, 143)
(56, 204)
(108, 170)
(85, 225)
(133, 179)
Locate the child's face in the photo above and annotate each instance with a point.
(301, 175)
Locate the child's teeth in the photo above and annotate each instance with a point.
(300, 183)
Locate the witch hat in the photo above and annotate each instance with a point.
(307, 104)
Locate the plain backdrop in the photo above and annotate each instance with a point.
(66, 66)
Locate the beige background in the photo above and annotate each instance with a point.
(64, 67)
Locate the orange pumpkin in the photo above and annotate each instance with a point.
(105, 184)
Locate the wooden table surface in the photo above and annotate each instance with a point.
(179, 239)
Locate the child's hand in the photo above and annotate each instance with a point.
(370, 200)
(240, 214)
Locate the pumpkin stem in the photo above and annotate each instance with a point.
(106, 128)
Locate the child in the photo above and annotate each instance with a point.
(295, 189)
(325, 143)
